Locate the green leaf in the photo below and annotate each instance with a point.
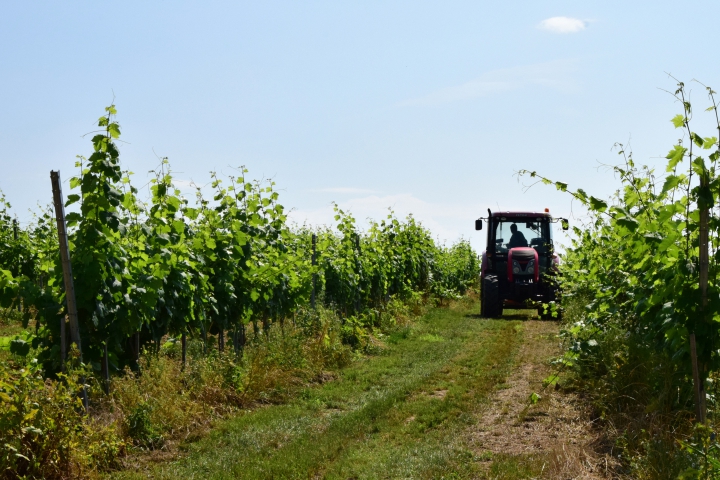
(653, 238)
(667, 242)
(73, 218)
(705, 198)
(72, 198)
(678, 120)
(697, 139)
(597, 204)
(627, 222)
(675, 156)
(114, 130)
(178, 226)
(698, 166)
(671, 182)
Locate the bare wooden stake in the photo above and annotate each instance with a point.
(136, 339)
(67, 268)
(65, 257)
(242, 339)
(698, 387)
(266, 325)
(63, 343)
(106, 368)
(19, 268)
(183, 341)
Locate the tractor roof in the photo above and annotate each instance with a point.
(521, 214)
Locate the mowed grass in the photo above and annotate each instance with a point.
(399, 414)
(10, 327)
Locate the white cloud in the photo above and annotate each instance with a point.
(346, 190)
(556, 74)
(562, 25)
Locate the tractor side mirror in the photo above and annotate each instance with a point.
(565, 223)
(478, 224)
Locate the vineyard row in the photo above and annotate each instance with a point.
(146, 269)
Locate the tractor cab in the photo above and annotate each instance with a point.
(519, 264)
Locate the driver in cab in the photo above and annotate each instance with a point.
(517, 239)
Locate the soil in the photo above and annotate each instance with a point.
(557, 429)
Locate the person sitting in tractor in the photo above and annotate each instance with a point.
(517, 239)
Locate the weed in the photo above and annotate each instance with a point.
(141, 429)
(42, 425)
(509, 467)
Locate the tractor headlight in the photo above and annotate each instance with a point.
(530, 266)
(516, 267)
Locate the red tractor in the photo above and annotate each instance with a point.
(519, 264)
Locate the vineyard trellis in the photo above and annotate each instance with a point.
(144, 270)
(643, 278)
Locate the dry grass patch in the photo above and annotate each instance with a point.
(552, 432)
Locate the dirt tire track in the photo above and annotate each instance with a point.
(557, 429)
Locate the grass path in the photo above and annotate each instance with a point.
(552, 438)
(401, 414)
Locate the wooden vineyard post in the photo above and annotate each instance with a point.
(183, 340)
(106, 368)
(357, 259)
(204, 337)
(15, 237)
(63, 343)
(697, 384)
(314, 275)
(19, 268)
(136, 342)
(67, 268)
(236, 338)
(703, 246)
(242, 339)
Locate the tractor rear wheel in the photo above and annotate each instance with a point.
(491, 306)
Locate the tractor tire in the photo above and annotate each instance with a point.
(491, 306)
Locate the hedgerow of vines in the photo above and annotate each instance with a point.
(147, 268)
(637, 264)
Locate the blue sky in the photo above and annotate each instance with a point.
(426, 107)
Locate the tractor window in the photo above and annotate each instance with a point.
(529, 232)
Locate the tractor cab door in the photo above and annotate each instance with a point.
(542, 242)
